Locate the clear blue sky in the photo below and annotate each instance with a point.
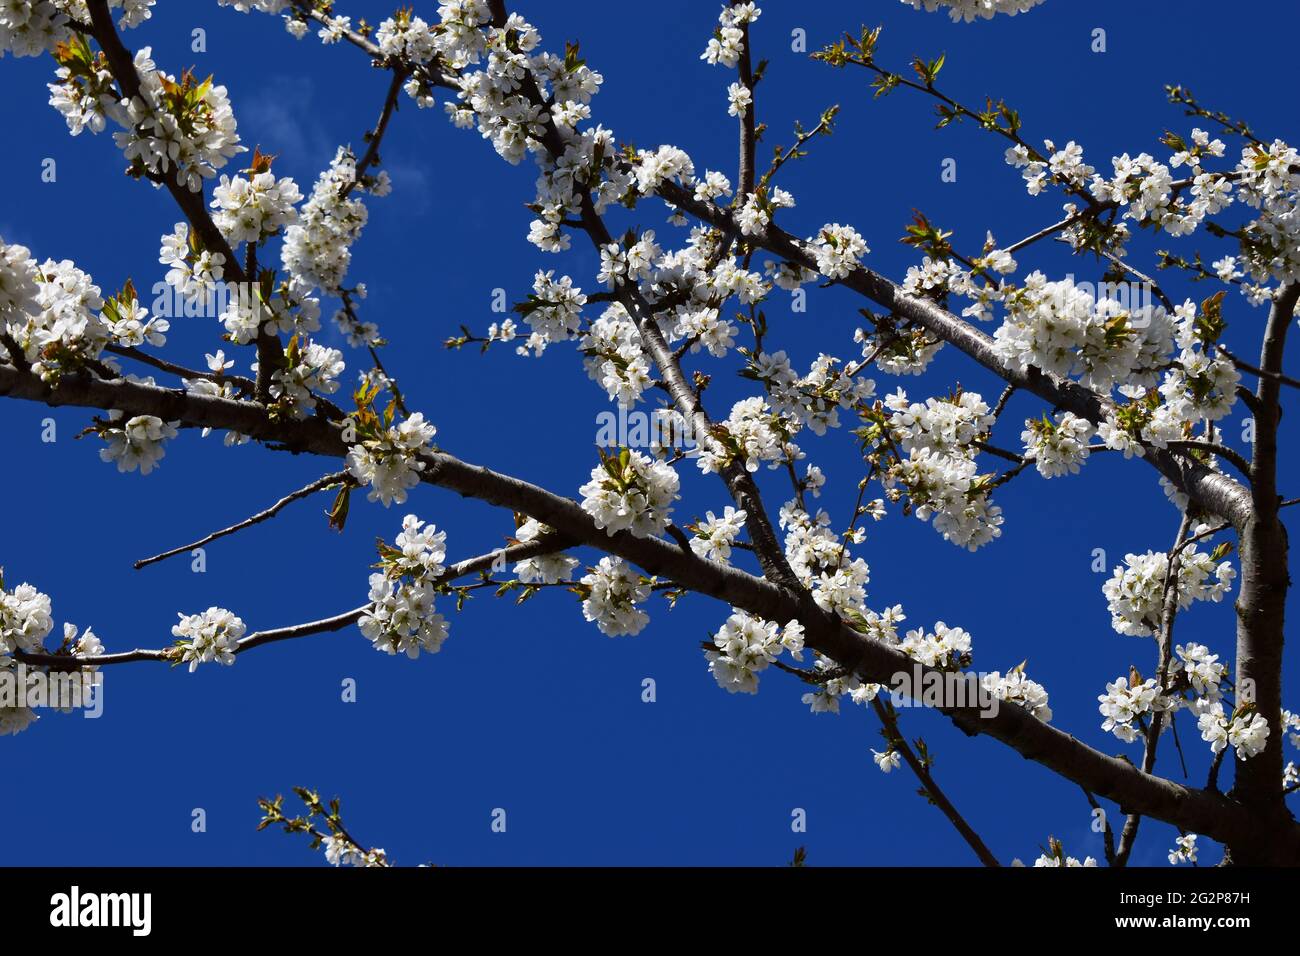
(531, 709)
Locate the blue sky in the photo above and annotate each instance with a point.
(531, 709)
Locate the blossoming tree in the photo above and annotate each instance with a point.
(661, 317)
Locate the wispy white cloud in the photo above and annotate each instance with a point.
(282, 120)
(412, 186)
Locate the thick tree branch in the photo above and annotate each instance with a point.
(1265, 579)
(1212, 814)
(748, 134)
(1213, 448)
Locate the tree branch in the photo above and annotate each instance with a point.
(121, 62)
(1247, 367)
(1165, 644)
(748, 138)
(545, 545)
(1215, 492)
(318, 485)
(935, 795)
(1265, 579)
(1212, 814)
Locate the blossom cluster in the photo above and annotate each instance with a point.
(1245, 732)
(25, 619)
(254, 208)
(937, 278)
(402, 617)
(630, 491)
(887, 760)
(947, 426)
(307, 370)
(1135, 592)
(745, 646)
(727, 43)
(939, 474)
(60, 322)
(1058, 445)
(544, 568)
(969, 10)
(944, 647)
(210, 636)
(751, 434)
(715, 536)
(822, 561)
(759, 206)
(1064, 329)
(897, 351)
(14, 720)
(834, 684)
(191, 270)
(612, 591)
(33, 27)
(389, 463)
(1123, 704)
(813, 400)
(183, 129)
(838, 250)
(612, 345)
(493, 98)
(136, 442)
(340, 851)
(553, 312)
(25, 622)
(1017, 688)
(317, 248)
(1184, 850)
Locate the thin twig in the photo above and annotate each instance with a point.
(890, 721)
(1254, 370)
(180, 371)
(371, 155)
(1169, 610)
(548, 544)
(307, 491)
(1108, 835)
